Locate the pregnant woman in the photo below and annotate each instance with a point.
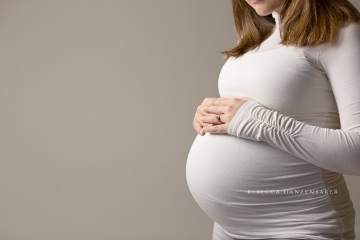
(270, 152)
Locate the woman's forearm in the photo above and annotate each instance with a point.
(332, 149)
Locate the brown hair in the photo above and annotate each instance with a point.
(303, 23)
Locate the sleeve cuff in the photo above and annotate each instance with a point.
(241, 117)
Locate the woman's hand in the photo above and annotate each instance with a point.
(214, 115)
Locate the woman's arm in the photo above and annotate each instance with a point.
(337, 150)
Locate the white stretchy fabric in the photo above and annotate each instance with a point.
(277, 174)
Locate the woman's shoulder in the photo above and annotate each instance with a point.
(346, 45)
(349, 32)
(346, 41)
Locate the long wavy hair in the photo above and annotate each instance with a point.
(303, 23)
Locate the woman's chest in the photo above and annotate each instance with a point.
(282, 79)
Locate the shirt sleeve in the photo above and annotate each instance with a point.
(336, 150)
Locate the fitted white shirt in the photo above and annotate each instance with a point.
(299, 105)
(277, 173)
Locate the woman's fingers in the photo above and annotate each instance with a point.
(200, 121)
(200, 110)
(214, 115)
(202, 118)
(222, 128)
(224, 105)
(212, 119)
(199, 128)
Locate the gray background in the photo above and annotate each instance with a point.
(97, 99)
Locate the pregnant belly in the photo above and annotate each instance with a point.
(223, 172)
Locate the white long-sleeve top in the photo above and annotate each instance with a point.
(318, 118)
(299, 134)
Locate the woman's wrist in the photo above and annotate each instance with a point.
(241, 118)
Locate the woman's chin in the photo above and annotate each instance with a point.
(263, 13)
